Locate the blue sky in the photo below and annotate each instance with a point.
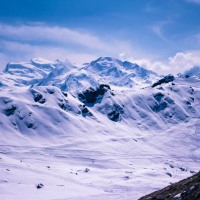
(158, 34)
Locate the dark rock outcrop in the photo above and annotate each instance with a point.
(91, 95)
(158, 96)
(64, 104)
(187, 189)
(166, 79)
(85, 111)
(39, 186)
(114, 115)
(159, 106)
(10, 111)
(38, 97)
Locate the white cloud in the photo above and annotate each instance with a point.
(19, 52)
(22, 42)
(178, 63)
(122, 56)
(41, 33)
(194, 1)
(185, 60)
(159, 29)
(156, 66)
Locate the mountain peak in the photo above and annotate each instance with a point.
(104, 70)
(106, 61)
(192, 72)
(41, 61)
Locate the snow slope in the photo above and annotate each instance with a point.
(193, 72)
(110, 141)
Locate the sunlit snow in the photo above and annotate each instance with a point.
(132, 140)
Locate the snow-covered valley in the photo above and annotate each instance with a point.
(99, 131)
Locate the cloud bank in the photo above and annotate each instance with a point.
(194, 1)
(22, 42)
(180, 62)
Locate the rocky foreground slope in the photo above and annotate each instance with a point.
(187, 189)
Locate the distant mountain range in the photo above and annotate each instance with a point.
(66, 76)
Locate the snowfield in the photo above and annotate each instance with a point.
(100, 131)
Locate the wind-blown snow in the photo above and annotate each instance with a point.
(94, 132)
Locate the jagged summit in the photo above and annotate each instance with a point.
(104, 70)
(58, 75)
(120, 73)
(108, 64)
(65, 75)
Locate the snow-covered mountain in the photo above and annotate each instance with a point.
(193, 72)
(27, 73)
(68, 77)
(115, 72)
(109, 129)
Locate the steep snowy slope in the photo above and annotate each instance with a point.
(58, 75)
(115, 144)
(69, 80)
(150, 108)
(78, 134)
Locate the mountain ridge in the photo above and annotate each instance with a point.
(91, 134)
(41, 71)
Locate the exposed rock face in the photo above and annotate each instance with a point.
(39, 186)
(85, 111)
(159, 106)
(166, 79)
(158, 96)
(10, 111)
(38, 97)
(187, 189)
(91, 95)
(114, 115)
